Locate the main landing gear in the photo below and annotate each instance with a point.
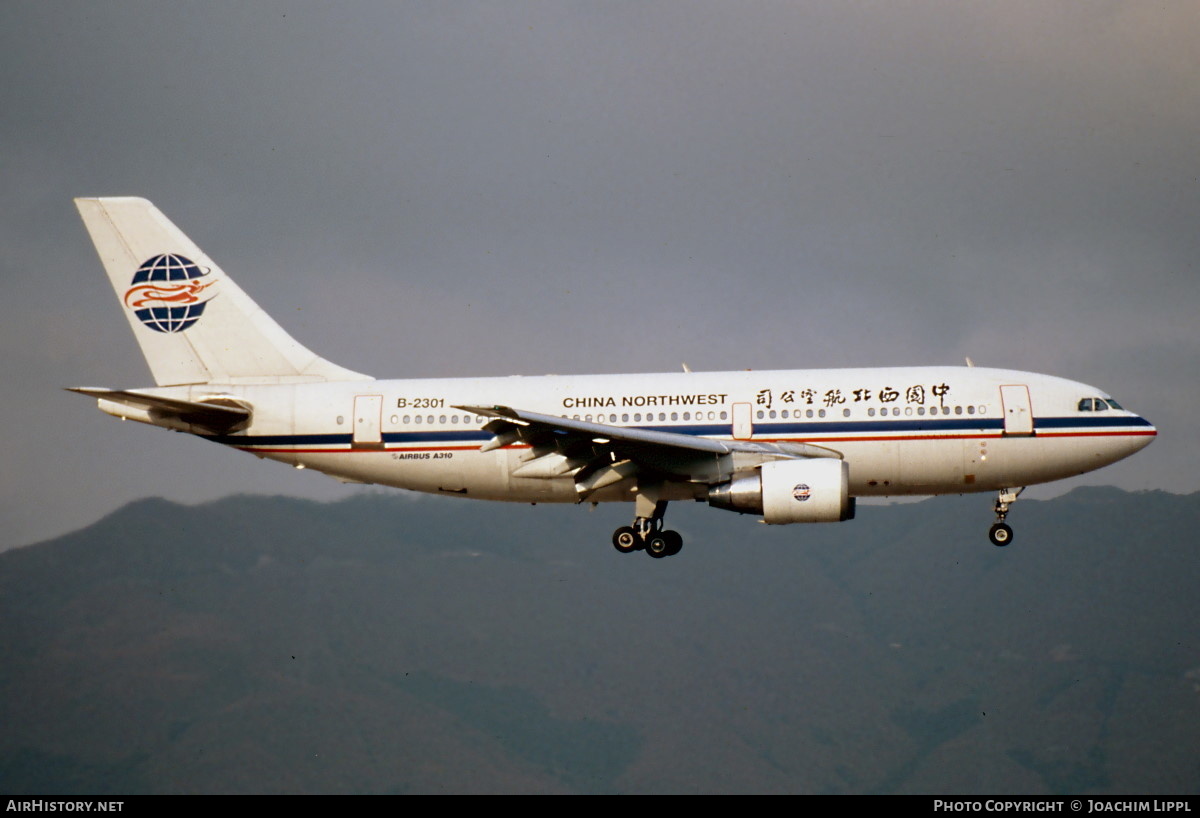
(1000, 533)
(647, 533)
(657, 542)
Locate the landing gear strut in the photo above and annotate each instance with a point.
(1000, 533)
(647, 532)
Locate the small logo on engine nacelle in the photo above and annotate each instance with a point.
(801, 492)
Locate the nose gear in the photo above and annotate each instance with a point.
(1001, 534)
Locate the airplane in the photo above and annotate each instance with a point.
(791, 446)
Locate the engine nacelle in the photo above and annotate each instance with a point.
(815, 490)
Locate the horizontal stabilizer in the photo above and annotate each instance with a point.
(216, 414)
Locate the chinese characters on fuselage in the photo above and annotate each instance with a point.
(915, 395)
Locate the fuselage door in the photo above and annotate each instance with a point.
(368, 412)
(1018, 412)
(743, 423)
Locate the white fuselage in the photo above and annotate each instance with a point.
(917, 430)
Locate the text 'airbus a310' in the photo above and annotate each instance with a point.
(793, 446)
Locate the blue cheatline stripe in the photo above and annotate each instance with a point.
(1091, 423)
(282, 440)
(345, 439)
(437, 437)
(909, 425)
(762, 429)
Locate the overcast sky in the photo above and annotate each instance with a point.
(454, 188)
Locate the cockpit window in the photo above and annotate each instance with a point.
(1115, 405)
(1085, 405)
(1097, 404)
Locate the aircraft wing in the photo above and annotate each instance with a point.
(598, 454)
(217, 414)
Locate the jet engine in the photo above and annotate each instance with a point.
(811, 490)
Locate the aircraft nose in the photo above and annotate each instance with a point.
(1145, 434)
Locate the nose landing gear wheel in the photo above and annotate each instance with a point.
(1000, 534)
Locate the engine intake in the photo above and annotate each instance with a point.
(790, 491)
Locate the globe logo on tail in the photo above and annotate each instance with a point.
(166, 293)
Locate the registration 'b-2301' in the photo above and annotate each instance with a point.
(792, 446)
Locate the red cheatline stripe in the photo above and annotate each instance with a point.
(349, 450)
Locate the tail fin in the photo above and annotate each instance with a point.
(194, 324)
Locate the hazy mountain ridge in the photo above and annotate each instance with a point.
(265, 644)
